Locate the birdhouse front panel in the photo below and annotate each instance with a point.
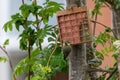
(74, 26)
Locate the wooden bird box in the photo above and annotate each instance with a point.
(74, 26)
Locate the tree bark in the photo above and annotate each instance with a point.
(116, 22)
(77, 63)
(116, 29)
(77, 57)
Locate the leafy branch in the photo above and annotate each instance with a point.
(33, 35)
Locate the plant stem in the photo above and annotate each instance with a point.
(94, 25)
(29, 58)
(53, 50)
(25, 27)
(107, 5)
(114, 71)
(38, 22)
(104, 27)
(37, 19)
(99, 23)
(23, 2)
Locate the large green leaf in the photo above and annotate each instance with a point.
(8, 26)
(25, 10)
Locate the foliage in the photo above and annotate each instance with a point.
(43, 72)
(6, 43)
(41, 58)
(33, 35)
(2, 59)
(109, 44)
(115, 4)
(106, 39)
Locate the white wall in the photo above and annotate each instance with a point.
(4, 67)
(7, 8)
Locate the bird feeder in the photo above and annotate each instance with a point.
(74, 26)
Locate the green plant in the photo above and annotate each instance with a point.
(42, 62)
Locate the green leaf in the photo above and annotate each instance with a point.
(58, 50)
(108, 29)
(6, 43)
(35, 52)
(104, 52)
(23, 44)
(49, 10)
(31, 8)
(17, 24)
(100, 41)
(53, 34)
(55, 5)
(8, 26)
(17, 20)
(115, 56)
(24, 10)
(50, 39)
(45, 18)
(16, 16)
(21, 67)
(43, 32)
(2, 59)
(99, 55)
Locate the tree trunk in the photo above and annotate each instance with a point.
(116, 22)
(116, 29)
(77, 63)
(77, 57)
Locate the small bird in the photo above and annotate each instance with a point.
(66, 50)
(95, 62)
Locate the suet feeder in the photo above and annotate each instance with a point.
(74, 25)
